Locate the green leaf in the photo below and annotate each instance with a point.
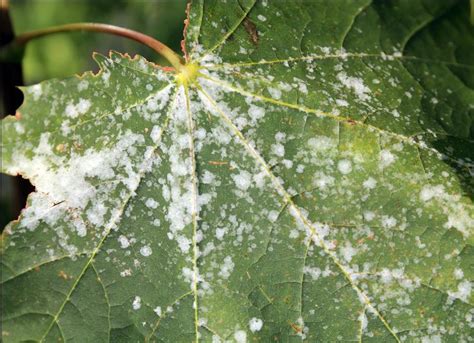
(307, 177)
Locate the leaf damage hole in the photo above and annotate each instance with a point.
(14, 190)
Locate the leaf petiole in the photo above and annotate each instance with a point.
(175, 60)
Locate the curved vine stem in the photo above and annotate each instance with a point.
(175, 60)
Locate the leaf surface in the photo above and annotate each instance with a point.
(313, 183)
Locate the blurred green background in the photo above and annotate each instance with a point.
(65, 54)
(68, 53)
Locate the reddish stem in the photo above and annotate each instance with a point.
(151, 42)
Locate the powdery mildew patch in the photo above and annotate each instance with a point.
(264, 194)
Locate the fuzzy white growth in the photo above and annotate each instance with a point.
(66, 181)
(74, 110)
(146, 251)
(386, 158)
(242, 180)
(137, 303)
(157, 310)
(36, 91)
(356, 84)
(344, 166)
(151, 203)
(124, 242)
(255, 324)
(227, 267)
(463, 292)
(370, 183)
(240, 336)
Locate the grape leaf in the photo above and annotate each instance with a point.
(308, 176)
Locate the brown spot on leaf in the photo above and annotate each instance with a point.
(296, 327)
(63, 275)
(218, 163)
(251, 30)
(60, 147)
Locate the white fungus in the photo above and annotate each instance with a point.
(240, 336)
(151, 203)
(137, 303)
(124, 242)
(386, 158)
(356, 84)
(370, 183)
(146, 250)
(255, 324)
(242, 180)
(344, 166)
(220, 232)
(157, 310)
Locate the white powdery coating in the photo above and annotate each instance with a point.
(19, 128)
(106, 76)
(157, 310)
(348, 252)
(66, 180)
(323, 181)
(83, 85)
(280, 136)
(341, 102)
(36, 90)
(81, 229)
(363, 321)
(431, 339)
(207, 177)
(278, 149)
(146, 250)
(220, 233)
(458, 273)
(370, 183)
(242, 180)
(386, 158)
(81, 107)
(463, 292)
(124, 242)
(273, 216)
(240, 336)
(96, 214)
(322, 143)
(256, 112)
(178, 191)
(255, 324)
(183, 243)
(314, 272)
(369, 215)
(458, 213)
(151, 203)
(227, 267)
(155, 133)
(388, 221)
(137, 303)
(275, 93)
(386, 276)
(344, 166)
(429, 192)
(356, 84)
